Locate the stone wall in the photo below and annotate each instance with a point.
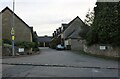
(0, 35)
(0, 45)
(77, 44)
(108, 51)
(7, 51)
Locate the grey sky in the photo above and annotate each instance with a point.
(47, 15)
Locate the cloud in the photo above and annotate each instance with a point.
(47, 15)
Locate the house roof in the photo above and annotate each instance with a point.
(7, 8)
(44, 39)
(65, 26)
(74, 20)
(75, 33)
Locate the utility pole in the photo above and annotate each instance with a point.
(13, 31)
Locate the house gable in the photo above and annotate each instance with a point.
(74, 28)
(7, 8)
(22, 30)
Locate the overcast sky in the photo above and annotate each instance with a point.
(47, 15)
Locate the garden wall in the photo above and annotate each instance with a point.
(105, 50)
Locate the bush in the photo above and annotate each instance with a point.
(91, 37)
(36, 49)
(26, 45)
(6, 41)
(84, 31)
(1, 42)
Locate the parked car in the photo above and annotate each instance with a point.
(60, 47)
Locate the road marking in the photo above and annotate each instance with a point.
(60, 65)
(95, 70)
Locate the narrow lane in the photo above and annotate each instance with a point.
(50, 56)
(53, 63)
(38, 71)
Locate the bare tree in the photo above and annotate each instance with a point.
(89, 17)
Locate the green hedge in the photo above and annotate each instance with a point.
(1, 42)
(7, 41)
(26, 45)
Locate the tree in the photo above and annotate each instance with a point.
(105, 27)
(89, 18)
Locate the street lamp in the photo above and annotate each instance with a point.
(13, 31)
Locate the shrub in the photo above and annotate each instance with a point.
(36, 49)
(7, 41)
(1, 42)
(26, 45)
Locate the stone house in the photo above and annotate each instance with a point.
(44, 41)
(58, 36)
(0, 35)
(70, 35)
(63, 28)
(22, 31)
(72, 38)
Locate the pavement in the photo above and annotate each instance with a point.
(54, 63)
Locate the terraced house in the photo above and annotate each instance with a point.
(71, 34)
(44, 41)
(22, 31)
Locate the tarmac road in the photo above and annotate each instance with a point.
(53, 63)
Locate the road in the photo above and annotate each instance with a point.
(53, 63)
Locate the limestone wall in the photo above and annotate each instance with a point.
(77, 44)
(0, 35)
(108, 51)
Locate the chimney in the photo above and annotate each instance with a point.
(60, 30)
(55, 34)
(57, 30)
